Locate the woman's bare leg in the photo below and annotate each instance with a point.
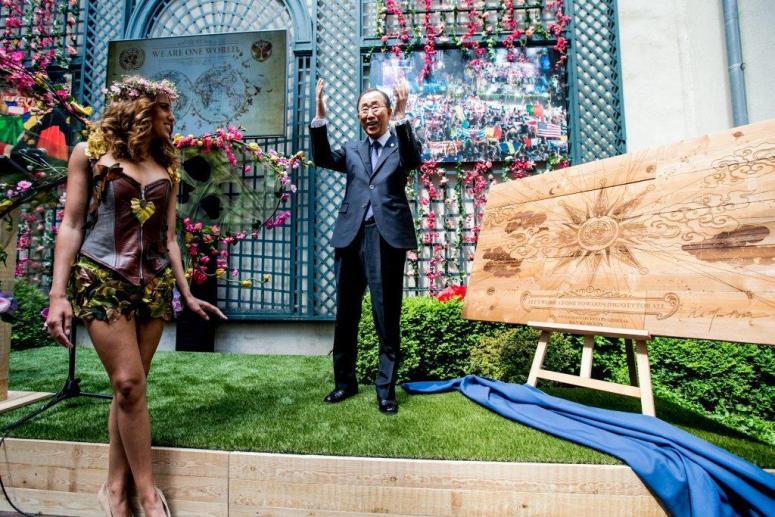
(148, 336)
(118, 346)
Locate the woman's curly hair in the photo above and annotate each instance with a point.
(127, 124)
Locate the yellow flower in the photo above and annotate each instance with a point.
(267, 278)
(86, 111)
(253, 146)
(174, 173)
(188, 237)
(142, 209)
(96, 146)
(188, 273)
(246, 283)
(220, 272)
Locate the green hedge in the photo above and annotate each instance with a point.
(437, 343)
(435, 340)
(28, 331)
(508, 354)
(735, 383)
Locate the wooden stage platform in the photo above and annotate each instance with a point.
(62, 478)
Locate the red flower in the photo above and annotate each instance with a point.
(198, 276)
(452, 292)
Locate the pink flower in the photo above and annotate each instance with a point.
(198, 276)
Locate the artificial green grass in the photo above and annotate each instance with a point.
(274, 404)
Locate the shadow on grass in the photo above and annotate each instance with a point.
(666, 410)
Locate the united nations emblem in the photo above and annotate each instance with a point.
(261, 50)
(131, 58)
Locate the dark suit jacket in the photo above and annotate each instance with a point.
(384, 187)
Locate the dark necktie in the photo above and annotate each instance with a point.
(375, 145)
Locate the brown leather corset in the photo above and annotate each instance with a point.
(127, 224)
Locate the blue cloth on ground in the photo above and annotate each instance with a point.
(688, 475)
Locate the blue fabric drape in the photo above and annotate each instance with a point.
(688, 475)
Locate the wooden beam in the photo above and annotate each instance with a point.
(18, 399)
(575, 380)
(62, 478)
(590, 330)
(631, 368)
(586, 356)
(538, 358)
(644, 377)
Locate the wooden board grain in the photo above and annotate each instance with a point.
(7, 277)
(62, 478)
(678, 241)
(271, 484)
(17, 399)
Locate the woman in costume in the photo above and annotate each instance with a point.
(116, 262)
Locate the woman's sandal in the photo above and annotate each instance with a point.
(163, 500)
(104, 499)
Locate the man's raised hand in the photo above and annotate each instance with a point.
(401, 91)
(320, 101)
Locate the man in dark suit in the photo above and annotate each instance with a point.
(373, 231)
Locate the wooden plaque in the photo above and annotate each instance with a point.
(678, 240)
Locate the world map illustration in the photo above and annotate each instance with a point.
(221, 92)
(218, 96)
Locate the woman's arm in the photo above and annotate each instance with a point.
(68, 242)
(195, 305)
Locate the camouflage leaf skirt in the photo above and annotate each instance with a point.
(98, 293)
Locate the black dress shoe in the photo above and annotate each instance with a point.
(389, 407)
(339, 395)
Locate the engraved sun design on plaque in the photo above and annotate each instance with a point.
(679, 240)
(600, 232)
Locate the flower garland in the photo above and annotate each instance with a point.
(208, 246)
(483, 26)
(133, 87)
(450, 213)
(25, 60)
(44, 30)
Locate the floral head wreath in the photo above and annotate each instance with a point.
(134, 87)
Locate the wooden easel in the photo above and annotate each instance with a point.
(640, 382)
